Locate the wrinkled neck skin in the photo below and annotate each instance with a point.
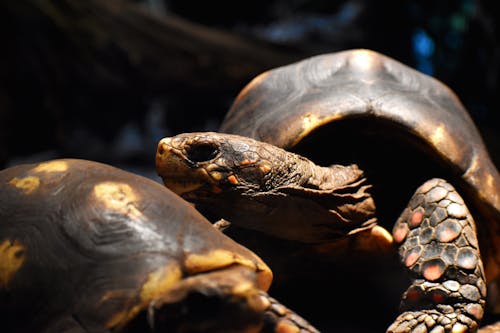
(300, 201)
(292, 170)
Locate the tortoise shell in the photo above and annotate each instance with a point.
(359, 106)
(90, 245)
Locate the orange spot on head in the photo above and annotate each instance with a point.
(246, 162)
(416, 218)
(433, 272)
(216, 175)
(232, 179)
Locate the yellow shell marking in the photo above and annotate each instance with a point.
(118, 319)
(242, 288)
(12, 256)
(310, 121)
(157, 284)
(160, 281)
(118, 197)
(27, 184)
(216, 259)
(438, 135)
(52, 166)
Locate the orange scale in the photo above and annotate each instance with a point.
(232, 179)
(438, 298)
(400, 233)
(433, 272)
(446, 235)
(416, 218)
(411, 259)
(413, 295)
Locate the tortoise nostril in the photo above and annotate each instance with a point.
(200, 152)
(161, 149)
(164, 146)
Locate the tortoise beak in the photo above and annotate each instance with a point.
(175, 171)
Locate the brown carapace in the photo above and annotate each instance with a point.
(87, 247)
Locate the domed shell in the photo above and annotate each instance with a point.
(98, 243)
(285, 105)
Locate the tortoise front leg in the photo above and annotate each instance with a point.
(437, 243)
(222, 301)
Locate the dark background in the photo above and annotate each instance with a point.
(106, 80)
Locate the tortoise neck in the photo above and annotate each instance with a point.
(333, 177)
(342, 195)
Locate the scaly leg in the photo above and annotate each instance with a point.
(223, 301)
(437, 243)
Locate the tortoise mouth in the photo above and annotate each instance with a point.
(182, 187)
(180, 168)
(194, 167)
(183, 180)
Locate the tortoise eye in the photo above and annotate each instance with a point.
(200, 152)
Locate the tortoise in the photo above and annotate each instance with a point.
(332, 150)
(88, 247)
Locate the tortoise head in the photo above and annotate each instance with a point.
(193, 164)
(260, 186)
